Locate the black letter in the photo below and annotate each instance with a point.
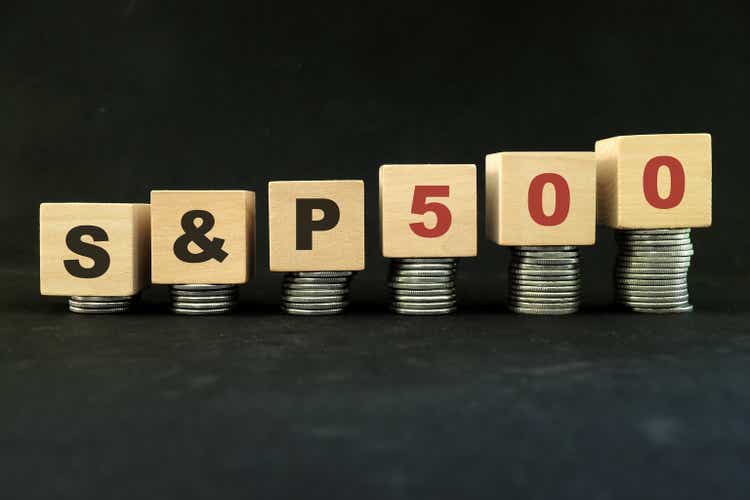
(98, 254)
(305, 223)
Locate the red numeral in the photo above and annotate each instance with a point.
(420, 206)
(676, 178)
(562, 199)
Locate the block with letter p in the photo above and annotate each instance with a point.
(428, 210)
(93, 249)
(316, 225)
(654, 181)
(202, 237)
(541, 198)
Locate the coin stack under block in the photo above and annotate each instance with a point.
(316, 293)
(651, 271)
(544, 280)
(423, 286)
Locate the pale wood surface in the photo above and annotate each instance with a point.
(234, 222)
(341, 248)
(508, 177)
(397, 183)
(620, 195)
(127, 228)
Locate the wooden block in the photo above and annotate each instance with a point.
(654, 181)
(428, 210)
(93, 249)
(316, 225)
(202, 237)
(541, 198)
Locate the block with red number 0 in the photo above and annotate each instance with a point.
(654, 181)
(428, 210)
(541, 198)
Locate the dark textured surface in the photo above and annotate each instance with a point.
(105, 100)
(369, 405)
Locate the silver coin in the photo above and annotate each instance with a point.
(301, 280)
(100, 298)
(523, 265)
(546, 283)
(100, 310)
(555, 255)
(426, 260)
(315, 286)
(316, 293)
(663, 282)
(314, 298)
(199, 312)
(336, 304)
(397, 292)
(660, 231)
(420, 279)
(323, 274)
(312, 312)
(425, 305)
(423, 312)
(92, 304)
(544, 289)
(406, 297)
(664, 310)
(425, 273)
(551, 248)
(542, 310)
(655, 303)
(527, 293)
(197, 286)
(204, 305)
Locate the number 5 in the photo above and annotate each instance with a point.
(420, 206)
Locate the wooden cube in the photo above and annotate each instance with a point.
(541, 198)
(316, 225)
(93, 249)
(428, 210)
(202, 237)
(654, 181)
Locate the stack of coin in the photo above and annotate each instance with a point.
(316, 293)
(544, 280)
(197, 299)
(652, 269)
(100, 305)
(423, 286)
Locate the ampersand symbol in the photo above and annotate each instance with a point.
(197, 234)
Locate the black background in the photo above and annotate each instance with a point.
(104, 101)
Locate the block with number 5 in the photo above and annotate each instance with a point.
(541, 198)
(428, 210)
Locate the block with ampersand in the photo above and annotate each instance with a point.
(202, 236)
(541, 198)
(316, 225)
(93, 249)
(654, 181)
(428, 210)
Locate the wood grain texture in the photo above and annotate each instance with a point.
(341, 248)
(127, 229)
(397, 187)
(620, 191)
(234, 222)
(508, 177)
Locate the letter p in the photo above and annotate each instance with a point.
(305, 223)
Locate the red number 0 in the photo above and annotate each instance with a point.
(676, 177)
(562, 199)
(420, 206)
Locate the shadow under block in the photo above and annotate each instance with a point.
(654, 181)
(93, 249)
(316, 225)
(202, 237)
(428, 210)
(541, 198)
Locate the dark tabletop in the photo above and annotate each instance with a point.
(601, 404)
